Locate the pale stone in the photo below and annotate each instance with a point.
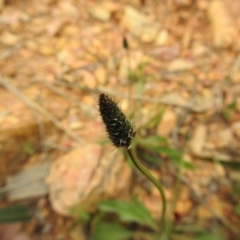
(85, 176)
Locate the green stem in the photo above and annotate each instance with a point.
(144, 170)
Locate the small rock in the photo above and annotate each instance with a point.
(85, 176)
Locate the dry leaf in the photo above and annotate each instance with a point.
(167, 123)
(162, 38)
(139, 24)
(180, 65)
(9, 38)
(224, 30)
(198, 139)
(100, 13)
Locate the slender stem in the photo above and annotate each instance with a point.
(144, 170)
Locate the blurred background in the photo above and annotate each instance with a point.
(174, 68)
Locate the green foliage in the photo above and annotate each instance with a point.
(152, 122)
(153, 141)
(138, 75)
(237, 210)
(229, 110)
(28, 149)
(104, 142)
(209, 236)
(80, 213)
(111, 231)
(14, 213)
(159, 145)
(196, 232)
(236, 193)
(132, 211)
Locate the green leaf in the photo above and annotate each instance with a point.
(14, 213)
(152, 141)
(237, 210)
(28, 149)
(132, 211)
(152, 122)
(80, 213)
(111, 231)
(104, 141)
(209, 236)
(175, 156)
(230, 164)
(154, 161)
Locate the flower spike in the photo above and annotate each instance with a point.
(118, 127)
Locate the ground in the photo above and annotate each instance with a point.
(172, 66)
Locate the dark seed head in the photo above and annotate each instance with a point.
(125, 43)
(118, 127)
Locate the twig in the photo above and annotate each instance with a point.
(6, 83)
(187, 105)
(185, 113)
(86, 108)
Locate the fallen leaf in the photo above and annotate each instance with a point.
(224, 30)
(100, 13)
(213, 207)
(55, 26)
(162, 38)
(198, 139)
(139, 24)
(180, 65)
(167, 123)
(236, 129)
(224, 137)
(9, 38)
